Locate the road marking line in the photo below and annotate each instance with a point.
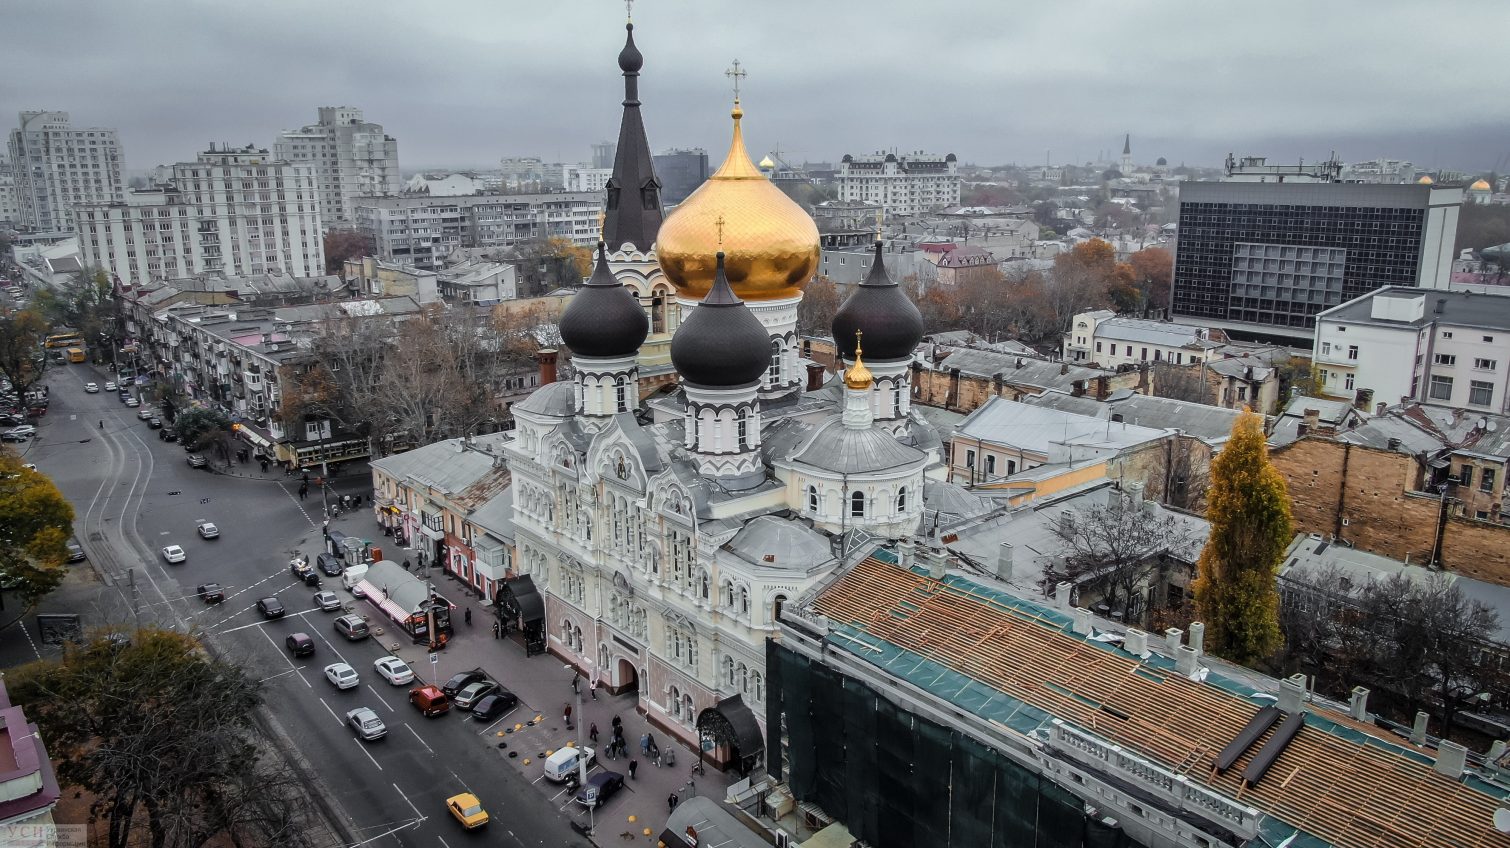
(333, 713)
(363, 746)
(390, 832)
(443, 841)
(422, 816)
(495, 723)
(380, 699)
(290, 662)
(421, 741)
(278, 675)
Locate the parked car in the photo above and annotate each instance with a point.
(429, 700)
(330, 564)
(353, 627)
(271, 608)
(562, 765)
(474, 692)
(494, 705)
(211, 593)
(366, 723)
(394, 670)
(19, 434)
(167, 435)
(75, 550)
(144, 413)
(174, 554)
(197, 461)
(342, 676)
(299, 568)
(154, 423)
(300, 645)
(91, 388)
(208, 530)
(467, 810)
(599, 788)
(327, 601)
(110, 386)
(132, 402)
(462, 680)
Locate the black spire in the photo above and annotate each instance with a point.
(892, 324)
(604, 319)
(633, 212)
(721, 344)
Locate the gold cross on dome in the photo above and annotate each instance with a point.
(736, 73)
(720, 223)
(629, 10)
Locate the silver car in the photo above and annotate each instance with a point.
(366, 724)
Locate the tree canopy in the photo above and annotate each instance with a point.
(35, 523)
(1248, 507)
(22, 357)
(199, 425)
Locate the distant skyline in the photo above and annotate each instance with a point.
(469, 81)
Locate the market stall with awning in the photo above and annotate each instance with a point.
(408, 601)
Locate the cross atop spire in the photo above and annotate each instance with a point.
(737, 74)
(629, 10)
(720, 224)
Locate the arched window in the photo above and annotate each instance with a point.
(776, 604)
(744, 601)
(576, 639)
(742, 678)
(773, 374)
(729, 671)
(902, 499)
(1011, 467)
(726, 594)
(702, 583)
(742, 425)
(688, 714)
(812, 499)
(602, 656)
(621, 390)
(757, 687)
(857, 504)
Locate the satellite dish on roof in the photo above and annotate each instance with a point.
(1502, 820)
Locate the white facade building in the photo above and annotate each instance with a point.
(422, 230)
(577, 178)
(351, 158)
(1102, 338)
(57, 167)
(10, 210)
(1396, 344)
(910, 184)
(233, 212)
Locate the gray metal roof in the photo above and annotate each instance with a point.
(496, 516)
(952, 502)
(1377, 432)
(445, 466)
(1462, 308)
(1149, 332)
(1019, 370)
(1212, 424)
(1050, 432)
(788, 544)
(557, 399)
(846, 450)
(397, 584)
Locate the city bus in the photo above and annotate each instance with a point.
(65, 338)
(75, 354)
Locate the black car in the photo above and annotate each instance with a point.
(599, 788)
(300, 645)
(330, 564)
(154, 423)
(168, 434)
(461, 681)
(271, 608)
(75, 550)
(211, 593)
(494, 705)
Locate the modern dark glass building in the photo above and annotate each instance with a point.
(1262, 259)
(681, 172)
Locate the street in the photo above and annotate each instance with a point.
(134, 494)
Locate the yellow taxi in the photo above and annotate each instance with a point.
(467, 810)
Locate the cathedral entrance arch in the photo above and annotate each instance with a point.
(626, 680)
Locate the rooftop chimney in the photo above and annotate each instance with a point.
(1394, 444)
(1136, 642)
(1062, 595)
(1451, 759)
(1004, 561)
(1292, 693)
(1357, 706)
(1418, 730)
(905, 551)
(1185, 660)
(1172, 640)
(547, 358)
(1312, 418)
(1082, 620)
(815, 372)
(1198, 637)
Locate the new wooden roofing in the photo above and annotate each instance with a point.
(1363, 792)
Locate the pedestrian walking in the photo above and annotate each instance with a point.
(593, 688)
(671, 802)
(592, 733)
(566, 716)
(633, 767)
(618, 726)
(655, 753)
(645, 744)
(406, 564)
(468, 616)
(495, 629)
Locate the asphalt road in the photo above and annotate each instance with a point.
(133, 494)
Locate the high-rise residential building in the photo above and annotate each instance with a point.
(1390, 171)
(603, 153)
(422, 230)
(10, 212)
(57, 166)
(1262, 259)
(578, 178)
(232, 211)
(680, 172)
(352, 158)
(910, 184)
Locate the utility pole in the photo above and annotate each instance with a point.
(136, 607)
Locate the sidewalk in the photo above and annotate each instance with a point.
(526, 736)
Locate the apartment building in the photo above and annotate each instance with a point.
(10, 210)
(231, 211)
(57, 166)
(1101, 338)
(910, 184)
(421, 231)
(1441, 348)
(350, 158)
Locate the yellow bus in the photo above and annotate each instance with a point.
(75, 354)
(67, 338)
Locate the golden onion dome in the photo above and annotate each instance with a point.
(770, 244)
(766, 164)
(1480, 184)
(858, 376)
(1425, 180)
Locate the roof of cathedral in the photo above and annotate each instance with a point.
(721, 344)
(604, 319)
(557, 399)
(633, 213)
(878, 308)
(848, 450)
(768, 540)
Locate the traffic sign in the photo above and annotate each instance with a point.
(435, 659)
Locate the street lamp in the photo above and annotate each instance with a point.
(581, 757)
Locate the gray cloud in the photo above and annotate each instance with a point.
(462, 82)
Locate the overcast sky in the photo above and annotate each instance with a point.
(462, 83)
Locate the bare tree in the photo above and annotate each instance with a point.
(1180, 382)
(1117, 546)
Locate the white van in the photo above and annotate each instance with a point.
(563, 764)
(353, 575)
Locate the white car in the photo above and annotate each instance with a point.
(327, 601)
(366, 723)
(394, 670)
(208, 530)
(91, 388)
(145, 413)
(173, 553)
(342, 676)
(20, 434)
(109, 385)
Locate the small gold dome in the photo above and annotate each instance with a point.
(766, 164)
(1425, 180)
(1480, 184)
(770, 244)
(858, 376)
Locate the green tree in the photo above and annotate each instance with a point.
(85, 303)
(161, 734)
(22, 357)
(200, 426)
(35, 523)
(1236, 593)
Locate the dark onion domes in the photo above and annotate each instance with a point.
(604, 319)
(630, 60)
(721, 344)
(890, 321)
